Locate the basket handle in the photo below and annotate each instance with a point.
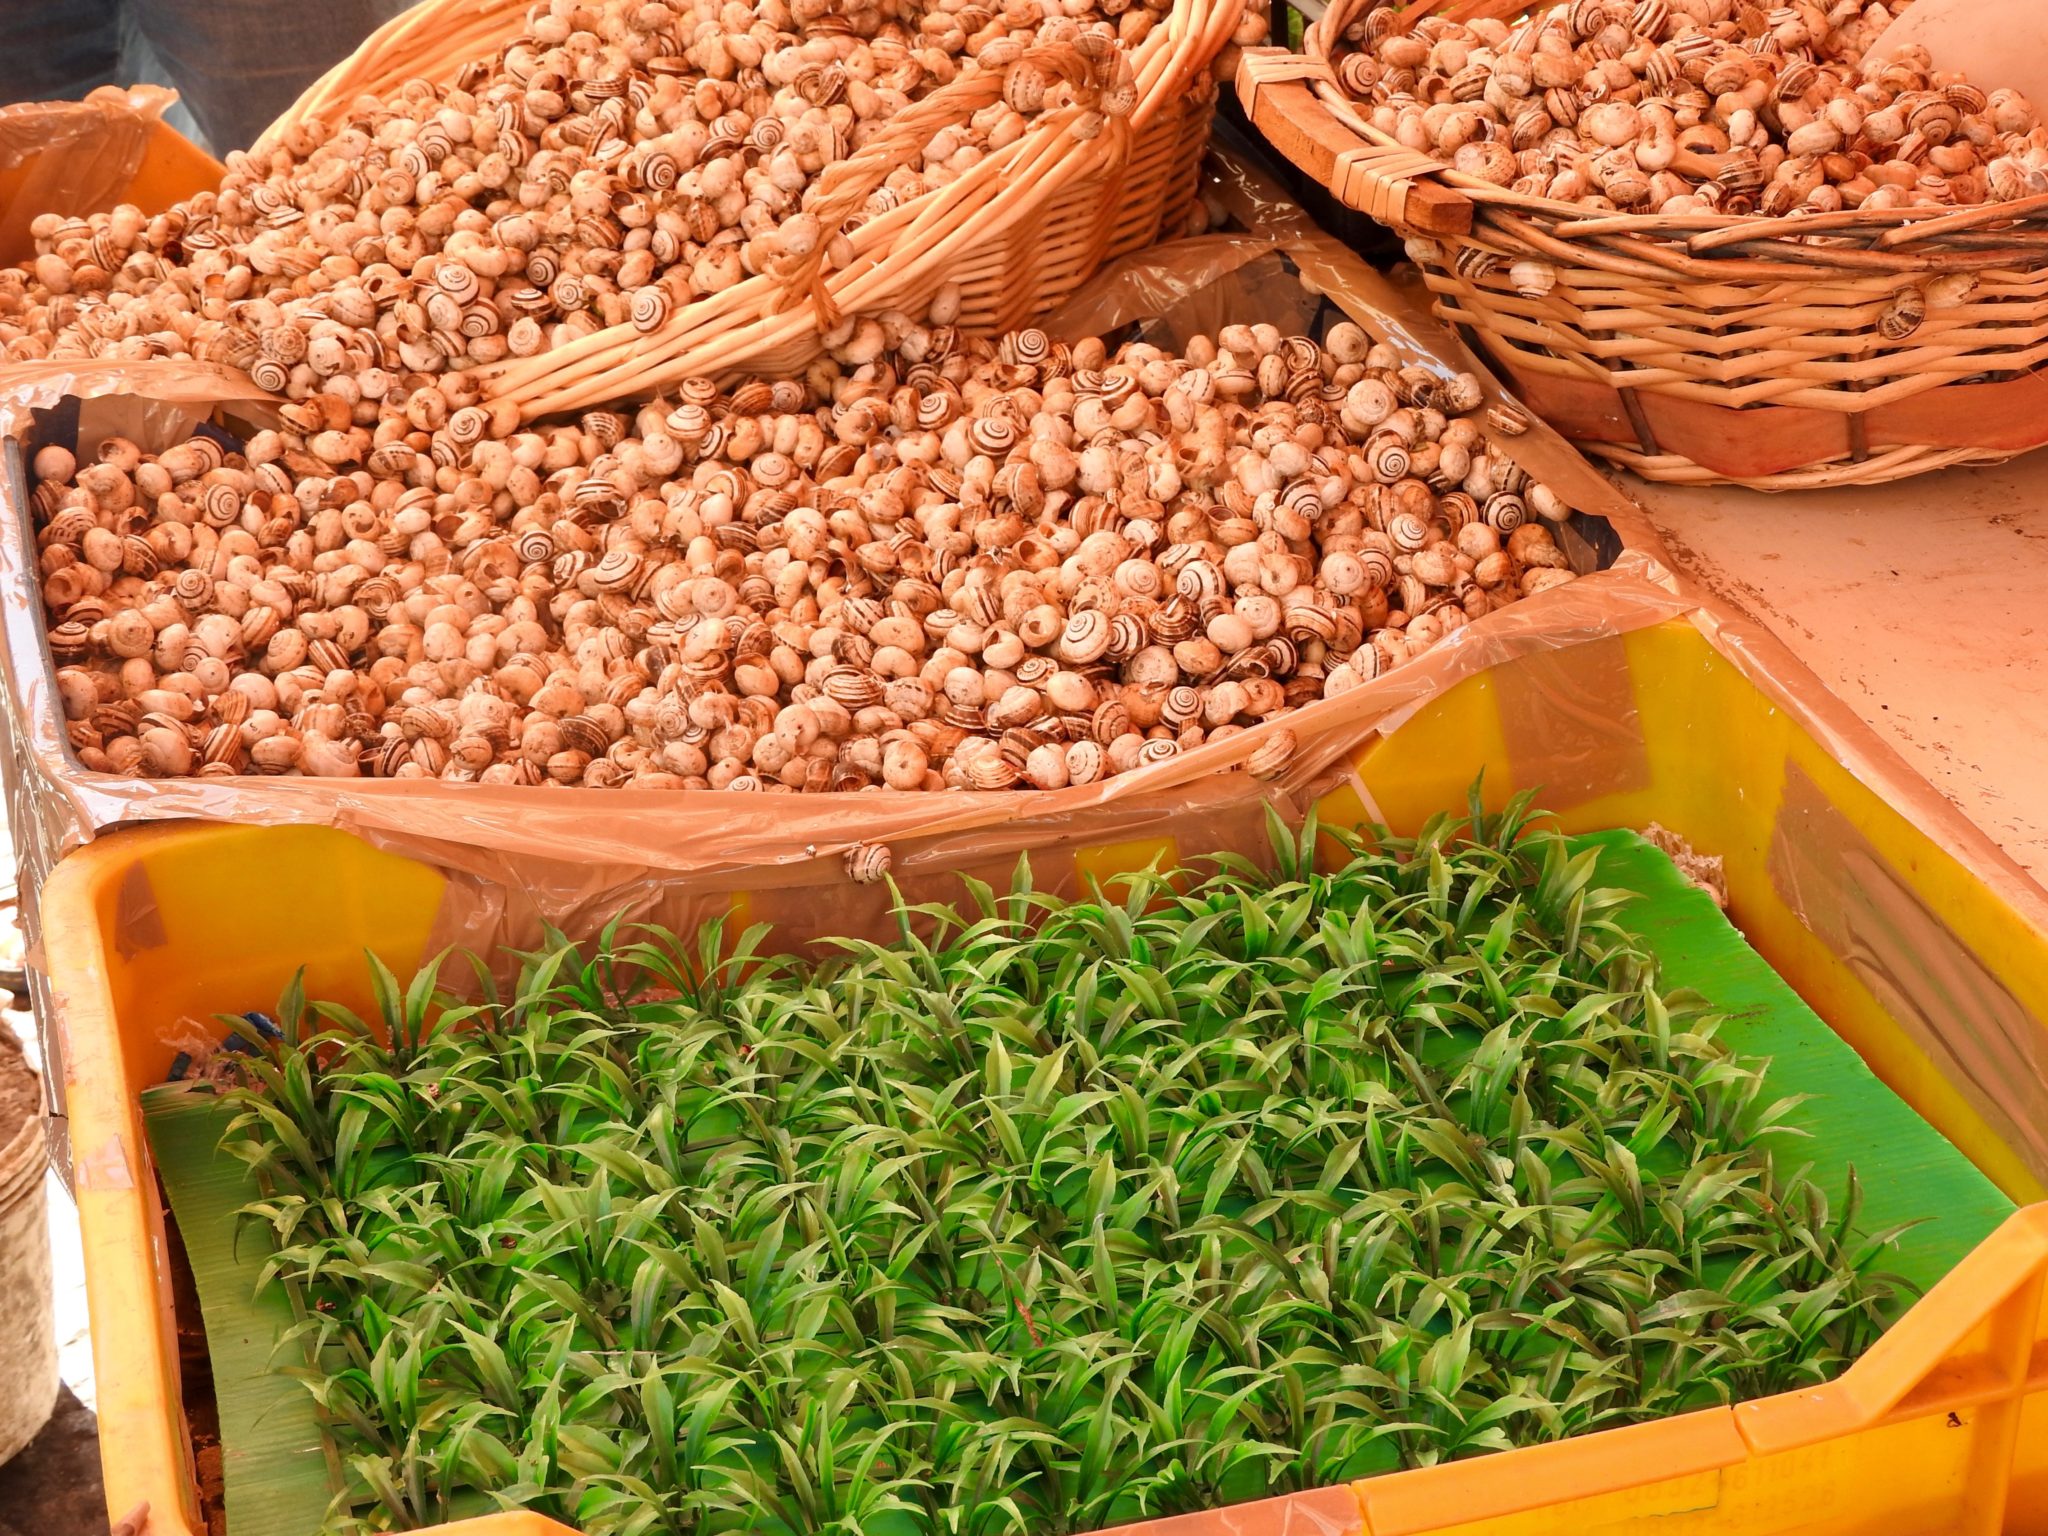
(1386, 182)
(847, 184)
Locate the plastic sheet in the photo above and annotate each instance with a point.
(523, 856)
(72, 157)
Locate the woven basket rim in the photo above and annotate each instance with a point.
(1000, 197)
(1574, 220)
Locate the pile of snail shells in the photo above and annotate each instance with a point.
(934, 563)
(616, 161)
(1694, 106)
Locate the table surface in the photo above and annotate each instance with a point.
(1922, 604)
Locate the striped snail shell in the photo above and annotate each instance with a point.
(268, 374)
(751, 398)
(388, 459)
(1378, 565)
(1112, 388)
(1462, 393)
(220, 343)
(70, 526)
(1086, 637)
(1271, 757)
(377, 596)
(1475, 261)
(1456, 509)
(1033, 671)
(1158, 750)
(1025, 348)
(976, 605)
(616, 571)
(70, 640)
(861, 614)
(648, 308)
(223, 746)
(689, 421)
(1505, 511)
(529, 299)
(580, 733)
(444, 311)
(608, 427)
(1128, 635)
(991, 770)
(1174, 619)
(468, 426)
(1181, 705)
(938, 409)
(1409, 531)
(479, 320)
(220, 505)
(821, 85)
(867, 863)
(1903, 315)
(1199, 582)
(456, 280)
(787, 396)
(1110, 721)
(992, 435)
(599, 490)
(412, 160)
(192, 587)
(1508, 420)
(853, 687)
(658, 170)
(1358, 73)
(1311, 621)
(1388, 458)
(568, 292)
(138, 558)
(259, 625)
(285, 343)
(1085, 761)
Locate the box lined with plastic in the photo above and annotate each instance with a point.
(573, 852)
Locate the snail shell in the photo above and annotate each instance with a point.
(867, 863)
(1903, 314)
(1270, 759)
(1086, 638)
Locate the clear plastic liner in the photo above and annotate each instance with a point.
(572, 853)
(72, 157)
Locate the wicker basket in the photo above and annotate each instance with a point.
(1709, 349)
(1018, 233)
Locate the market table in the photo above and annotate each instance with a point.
(1917, 603)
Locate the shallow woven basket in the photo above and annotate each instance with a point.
(1018, 233)
(1718, 348)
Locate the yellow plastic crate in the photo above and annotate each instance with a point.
(1941, 1428)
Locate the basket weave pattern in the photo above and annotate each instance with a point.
(1706, 348)
(1018, 233)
